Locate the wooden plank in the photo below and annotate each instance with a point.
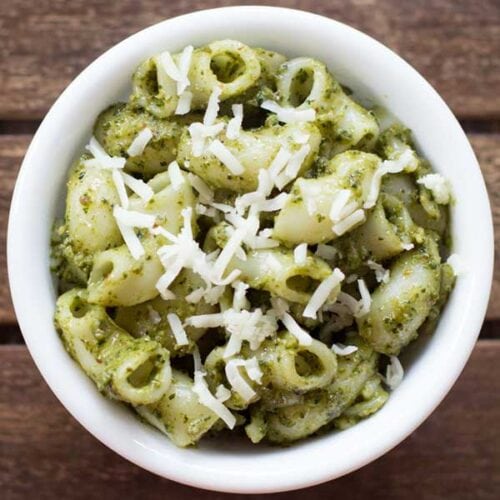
(12, 148)
(454, 454)
(453, 43)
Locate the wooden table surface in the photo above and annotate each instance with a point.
(45, 453)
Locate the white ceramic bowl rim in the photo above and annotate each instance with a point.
(374, 72)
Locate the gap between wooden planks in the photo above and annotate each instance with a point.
(13, 147)
(453, 43)
(454, 454)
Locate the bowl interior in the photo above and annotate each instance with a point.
(376, 75)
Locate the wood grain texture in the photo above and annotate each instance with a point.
(454, 454)
(453, 43)
(12, 149)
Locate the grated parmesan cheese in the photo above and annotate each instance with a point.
(237, 381)
(279, 162)
(101, 158)
(274, 204)
(184, 104)
(117, 177)
(199, 133)
(343, 350)
(167, 63)
(205, 193)
(394, 373)
(213, 294)
(365, 301)
(349, 222)
(293, 166)
(300, 254)
(126, 220)
(177, 329)
(296, 330)
(234, 125)
(239, 298)
(140, 142)
(222, 393)
(132, 218)
(322, 292)
(212, 107)
(251, 326)
(405, 161)
(438, 186)
(154, 315)
(175, 175)
(289, 115)
(382, 275)
(206, 398)
(139, 187)
(195, 296)
(183, 69)
(339, 202)
(226, 157)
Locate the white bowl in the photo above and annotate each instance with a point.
(374, 73)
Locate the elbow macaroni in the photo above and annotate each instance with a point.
(244, 246)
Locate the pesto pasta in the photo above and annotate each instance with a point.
(245, 248)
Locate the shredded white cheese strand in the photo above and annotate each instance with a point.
(289, 115)
(237, 381)
(225, 156)
(405, 161)
(120, 187)
(184, 103)
(101, 158)
(349, 222)
(234, 126)
(205, 193)
(212, 107)
(296, 330)
(339, 201)
(175, 324)
(343, 350)
(365, 301)
(293, 167)
(300, 254)
(206, 398)
(239, 298)
(322, 292)
(175, 175)
(140, 142)
(139, 187)
(394, 373)
(183, 70)
(438, 186)
(382, 275)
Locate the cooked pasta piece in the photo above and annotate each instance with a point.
(89, 209)
(306, 216)
(179, 414)
(400, 306)
(317, 408)
(118, 126)
(136, 371)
